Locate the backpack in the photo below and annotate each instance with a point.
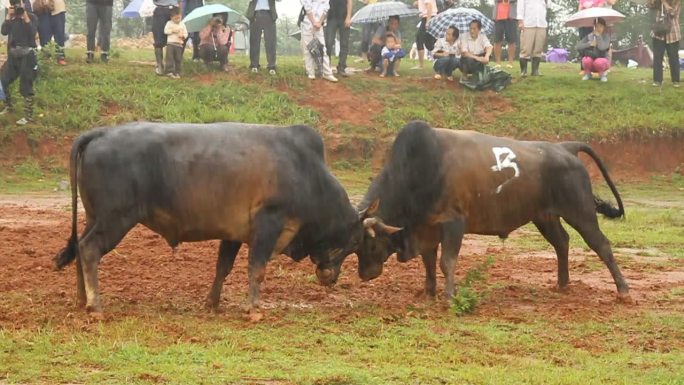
(488, 78)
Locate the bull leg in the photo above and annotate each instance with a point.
(589, 229)
(452, 237)
(80, 284)
(269, 226)
(430, 263)
(556, 235)
(98, 242)
(224, 264)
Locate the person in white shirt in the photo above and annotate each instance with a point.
(475, 49)
(447, 53)
(312, 28)
(532, 24)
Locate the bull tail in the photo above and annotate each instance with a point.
(70, 252)
(602, 207)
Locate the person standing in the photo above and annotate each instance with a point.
(161, 16)
(262, 17)
(367, 32)
(339, 20)
(51, 21)
(98, 14)
(532, 24)
(312, 29)
(427, 10)
(20, 26)
(667, 13)
(505, 26)
(176, 34)
(189, 6)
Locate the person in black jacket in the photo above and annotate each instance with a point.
(98, 13)
(21, 27)
(262, 18)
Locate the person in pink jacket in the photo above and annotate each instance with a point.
(215, 42)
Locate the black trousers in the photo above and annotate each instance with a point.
(22, 66)
(209, 54)
(659, 48)
(332, 27)
(263, 23)
(470, 65)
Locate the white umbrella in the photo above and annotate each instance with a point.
(381, 11)
(586, 17)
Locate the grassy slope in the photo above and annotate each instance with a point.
(367, 346)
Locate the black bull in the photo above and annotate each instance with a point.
(441, 184)
(265, 186)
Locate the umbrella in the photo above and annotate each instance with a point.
(381, 11)
(460, 18)
(586, 17)
(315, 48)
(199, 17)
(138, 8)
(298, 34)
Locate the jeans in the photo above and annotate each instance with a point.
(470, 65)
(50, 26)
(446, 65)
(659, 48)
(209, 54)
(174, 58)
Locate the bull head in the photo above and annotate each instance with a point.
(375, 224)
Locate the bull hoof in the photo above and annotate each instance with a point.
(626, 299)
(562, 288)
(96, 316)
(211, 304)
(425, 294)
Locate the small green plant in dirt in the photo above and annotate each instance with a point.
(466, 298)
(29, 169)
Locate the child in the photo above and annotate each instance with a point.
(391, 54)
(176, 35)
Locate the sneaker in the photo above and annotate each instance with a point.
(330, 78)
(396, 74)
(586, 77)
(61, 61)
(497, 66)
(656, 84)
(172, 76)
(450, 78)
(438, 76)
(271, 71)
(23, 121)
(255, 70)
(176, 76)
(158, 71)
(604, 77)
(675, 84)
(509, 65)
(5, 110)
(311, 77)
(343, 73)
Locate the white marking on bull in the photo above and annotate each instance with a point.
(506, 162)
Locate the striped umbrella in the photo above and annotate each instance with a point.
(381, 11)
(460, 18)
(138, 8)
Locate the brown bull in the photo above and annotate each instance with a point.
(440, 184)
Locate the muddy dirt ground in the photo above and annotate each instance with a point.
(143, 275)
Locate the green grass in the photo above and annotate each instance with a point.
(654, 221)
(312, 348)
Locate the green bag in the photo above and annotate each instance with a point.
(488, 78)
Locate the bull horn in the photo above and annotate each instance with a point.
(373, 224)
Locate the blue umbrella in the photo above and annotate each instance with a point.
(138, 8)
(199, 17)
